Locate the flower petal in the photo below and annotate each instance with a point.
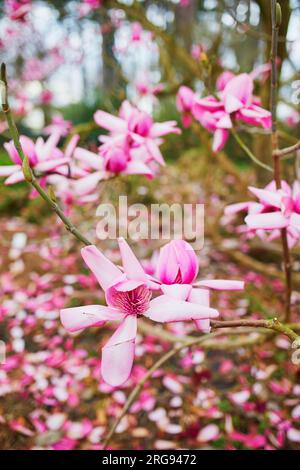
(177, 291)
(118, 353)
(131, 265)
(166, 309)
(110, 122)
(104, 270)
(78, 318)
(267, 221)
(221, 284)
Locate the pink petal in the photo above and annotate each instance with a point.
(138, 168)
(49, 165)
(16, 177)
(267, 221)
(110, 122)
(177, 291)
(118, 353)
(221, 284)
(238, 93)
(8, 170)
(160, 129)
(202, 297)
(131, 265)
(220, 139)
(93, 160)
(238, 207)
(72, 146)
(104, 270)
(270, 198)
(78, 318)
(208, 433)
(154, 151)
(165, 309)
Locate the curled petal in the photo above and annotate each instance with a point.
(118, 353)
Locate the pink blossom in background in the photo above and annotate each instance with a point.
(136, 31)
(235, 102)
(134, 140)
(177, 270)
(128, 295)
(58, 124)
(184, 102)
(275, 209)
(17, 10)
(43, 157)
(46, 97)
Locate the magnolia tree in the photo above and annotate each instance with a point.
(220, 107)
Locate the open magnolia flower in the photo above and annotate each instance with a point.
(275, 209)
(137, 129)
(43, 156)
(177, 270)
(235, 102)
(128, 295)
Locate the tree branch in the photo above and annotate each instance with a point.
(30, 176)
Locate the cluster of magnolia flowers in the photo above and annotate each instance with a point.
(132, 147)
(171, 295)
(276, 209)
(235, 102)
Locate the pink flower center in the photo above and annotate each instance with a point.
(132, 302)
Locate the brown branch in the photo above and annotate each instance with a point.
(278, 153)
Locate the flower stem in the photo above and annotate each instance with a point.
(249, 152)
(31, 179)
(276, 154)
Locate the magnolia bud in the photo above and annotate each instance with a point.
(278, 14)
(177, 263)
(27, 170)
(3, 93)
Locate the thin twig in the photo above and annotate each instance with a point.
(275, 8)
(286, 151)
(31, 178)
(249, 152)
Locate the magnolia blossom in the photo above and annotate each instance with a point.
(128, 294)
(275, 209)
(177, 270)
(135, 129)
(184, 102)
(58, 124)
(235, 102)
(17, 10)
(43, 156)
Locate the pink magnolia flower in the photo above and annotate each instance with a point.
(43, 157)
(184, 102)
(128, 294)
(136, 31)
(275, 209)
(58, 124)
(17, 10)
(177, 270)
(236, 103)
(137, 129)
